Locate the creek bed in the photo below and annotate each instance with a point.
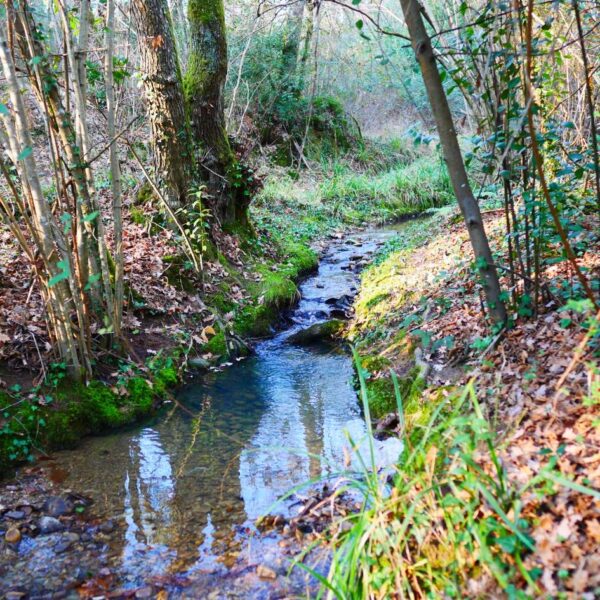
(175, 500)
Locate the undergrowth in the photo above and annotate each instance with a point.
(342, 195)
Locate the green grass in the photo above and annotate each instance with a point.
(340, 196)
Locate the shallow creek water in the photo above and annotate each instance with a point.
(182, 493)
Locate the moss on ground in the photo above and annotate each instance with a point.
(56, 417)
(383, 319)
(276, 289)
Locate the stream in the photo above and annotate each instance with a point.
(176, 499)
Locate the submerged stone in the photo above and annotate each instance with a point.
(12, 536)
(265, 572)
(56, 506)
(50, 525)
(316, 332)
(16, 515)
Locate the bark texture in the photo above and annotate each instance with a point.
(203, 84)
(165, 99)
(452, 154)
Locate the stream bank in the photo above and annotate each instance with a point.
(171, 506)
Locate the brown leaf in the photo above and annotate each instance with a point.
(157, 42)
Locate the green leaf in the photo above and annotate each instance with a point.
(91, 216)
(359, 24)
(64, 274)
(57, 278)
(66, 220)
(24, 153)
(93, 279)
(508, 543)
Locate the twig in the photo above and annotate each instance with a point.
(110, 143)
(39, 356)
(154, 187)
(493, 343)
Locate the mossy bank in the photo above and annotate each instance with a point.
(58, 413)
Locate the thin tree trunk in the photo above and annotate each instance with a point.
(306, 42)
(291, 55)
(115, 169)
(88, 211)
(42, 230)
(589, 97)
(539, 160)
(240, 72)
(161, 76)
(452, 153)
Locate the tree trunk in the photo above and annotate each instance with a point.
(180, 29)
(165, 101)
(454, 160)
(291, 54)
(203, 84)
(115, 168)
(307, 35)
(42, 228)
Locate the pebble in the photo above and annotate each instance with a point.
(50, 525)
(56, 506)
(198, 363)
(15, 514)
(107, 527)
(13, 535)
(265, 572)
(145, 592)
(62, 546)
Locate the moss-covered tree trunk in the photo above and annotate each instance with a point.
(203, 84)
(290, 52)
(161, 76)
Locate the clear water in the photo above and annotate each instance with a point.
(185, 490)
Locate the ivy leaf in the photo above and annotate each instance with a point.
(93, 279)
(24, 153)
(91, 216)
(66, 220)
(64, 274)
